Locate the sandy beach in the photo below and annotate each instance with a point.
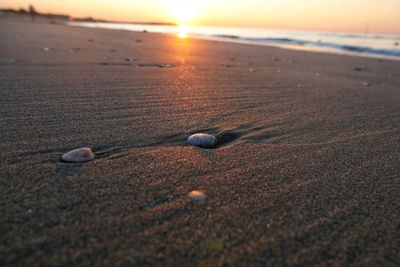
(306, 172)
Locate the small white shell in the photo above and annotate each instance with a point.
(78, 155)
(202, 140)
(366, 83)
(197, 195)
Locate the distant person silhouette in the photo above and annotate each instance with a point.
(32, 12)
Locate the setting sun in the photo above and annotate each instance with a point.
(183, 11)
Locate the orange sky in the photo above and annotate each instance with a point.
(382, 16)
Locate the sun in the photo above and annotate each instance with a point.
(183, 11)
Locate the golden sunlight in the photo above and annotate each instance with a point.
(183, 11)
(182, 31)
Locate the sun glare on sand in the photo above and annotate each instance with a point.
(183, 12)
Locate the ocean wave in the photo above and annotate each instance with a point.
(321, 44)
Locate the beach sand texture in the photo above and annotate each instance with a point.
(306, 171)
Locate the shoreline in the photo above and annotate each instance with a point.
(240, 40)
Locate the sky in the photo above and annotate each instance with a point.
(378, 16)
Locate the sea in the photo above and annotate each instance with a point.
(360, 44)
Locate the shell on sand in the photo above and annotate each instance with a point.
(197, 195)
(78, 155)
(202, 140)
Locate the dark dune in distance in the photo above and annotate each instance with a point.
(306, 171)
(22, 12)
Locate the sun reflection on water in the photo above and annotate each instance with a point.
(182, 31)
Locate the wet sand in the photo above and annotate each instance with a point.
(306, 171)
